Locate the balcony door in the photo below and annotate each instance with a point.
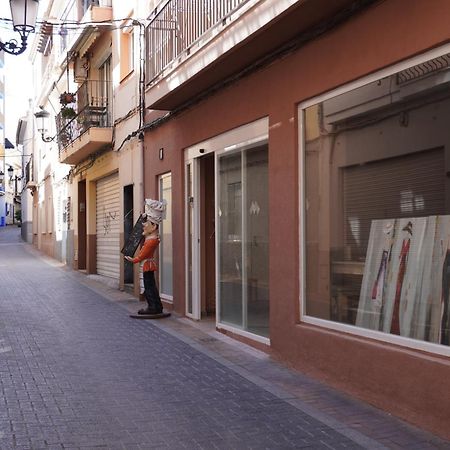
(105, 88)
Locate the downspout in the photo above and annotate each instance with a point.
(141, 134)
(141, 111)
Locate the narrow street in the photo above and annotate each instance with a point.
(77, 372)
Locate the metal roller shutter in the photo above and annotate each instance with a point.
(406, 186)
(108, 229)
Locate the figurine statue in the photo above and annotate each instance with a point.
(154, 214)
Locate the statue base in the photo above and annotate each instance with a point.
(150, 316)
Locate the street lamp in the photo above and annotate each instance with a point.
(23, 13)
(41, 116)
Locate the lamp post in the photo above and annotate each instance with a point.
(41, 116)
(24, 14)
(14, 178)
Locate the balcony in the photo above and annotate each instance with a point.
(84, 124)
(193, 46)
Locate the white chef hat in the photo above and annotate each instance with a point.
(155, 210)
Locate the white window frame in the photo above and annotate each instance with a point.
(165, 297)
(401, 341)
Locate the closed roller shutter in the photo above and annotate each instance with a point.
(406, 186)
(108, 251)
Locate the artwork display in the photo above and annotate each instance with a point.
(406, 282)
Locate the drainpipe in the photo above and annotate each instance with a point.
(141, 134)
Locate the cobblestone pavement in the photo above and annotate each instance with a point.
(77, 373)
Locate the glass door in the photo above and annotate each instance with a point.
(243, 239)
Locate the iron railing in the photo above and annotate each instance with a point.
(92, 107)
(178, 24)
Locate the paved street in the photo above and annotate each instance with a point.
(76, 372)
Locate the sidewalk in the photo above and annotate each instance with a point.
(366, 425)
(77, 372)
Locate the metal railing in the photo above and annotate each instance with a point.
(92, 107)
(178, 24)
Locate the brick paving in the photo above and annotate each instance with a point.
(77, 373)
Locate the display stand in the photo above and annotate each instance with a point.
(150, 316)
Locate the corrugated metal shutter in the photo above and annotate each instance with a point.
(108, 229)
(406, 186)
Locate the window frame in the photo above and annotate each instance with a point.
(127, 45)
(353, 330)
(167, 298)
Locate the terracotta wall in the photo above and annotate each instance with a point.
(391, 377)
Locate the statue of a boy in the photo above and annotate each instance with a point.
(154, 211)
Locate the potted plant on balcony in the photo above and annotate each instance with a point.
(66, 97)
(68, 113)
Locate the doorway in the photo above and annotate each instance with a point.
(201, 238)
(207, 236)
(128, 277)
(227, 232)
(82, 225)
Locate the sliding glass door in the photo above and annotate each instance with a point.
(243, 239)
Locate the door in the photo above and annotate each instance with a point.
(207, 236)
(127, 228)
(227, 230)
(106, 93)
(243, 239)
(108, 226)
(82, 237)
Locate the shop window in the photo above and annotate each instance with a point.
(165, 248)
(377, 219)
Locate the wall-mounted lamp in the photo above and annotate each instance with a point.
(41, 116)
(13, 178)
(161, 153)
(23, 13)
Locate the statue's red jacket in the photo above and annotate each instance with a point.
(146, 254)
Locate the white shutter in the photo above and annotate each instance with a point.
(108, 227)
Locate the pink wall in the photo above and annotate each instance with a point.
(399, 380)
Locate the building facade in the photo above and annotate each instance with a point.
(3, 179)
(306, 159)
(301, 149)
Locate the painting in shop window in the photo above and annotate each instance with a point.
(406, 281)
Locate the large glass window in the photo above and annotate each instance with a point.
(244, 239)
(377, 205)
(165, 249)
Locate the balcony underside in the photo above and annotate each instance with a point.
(90, 142)
(175, 88)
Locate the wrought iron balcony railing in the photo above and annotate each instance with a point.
(89, 107)
(178, 24)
